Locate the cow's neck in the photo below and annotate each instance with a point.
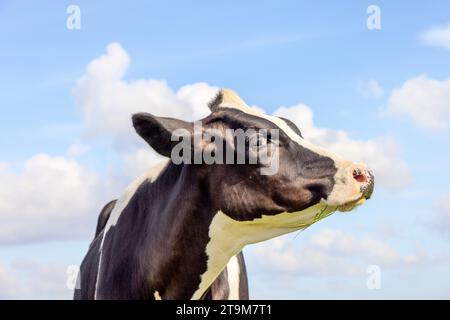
(185, 267)
(197, 239)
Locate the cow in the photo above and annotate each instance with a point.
(178, 231)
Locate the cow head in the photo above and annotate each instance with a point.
(306, 182)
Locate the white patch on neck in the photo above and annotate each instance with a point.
(123, 201)
(229, 236)
(233, 272)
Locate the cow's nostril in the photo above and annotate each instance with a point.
(359, 176)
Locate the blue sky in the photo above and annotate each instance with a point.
(386, 89)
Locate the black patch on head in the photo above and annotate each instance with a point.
(214, 104)
(304, 177)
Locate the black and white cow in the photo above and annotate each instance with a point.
(178, 231)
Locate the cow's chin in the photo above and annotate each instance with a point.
(349, 206)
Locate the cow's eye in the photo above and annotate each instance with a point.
(261, 141)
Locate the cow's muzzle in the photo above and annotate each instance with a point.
(353, 185)
(364, 178)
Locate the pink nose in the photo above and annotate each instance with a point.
(364, 177)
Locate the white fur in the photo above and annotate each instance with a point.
(233, 272)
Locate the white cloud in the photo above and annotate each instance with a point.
(138, 162)
(370, 89)
(280, 256)
(441, 214)
(77, 148)
(32, 280)
(381, 153)
(370, 249)
(437, 36)
(7, 283)
(334, 239)
(107, 101)
(329, 252)
(425, 100)
(51, 198)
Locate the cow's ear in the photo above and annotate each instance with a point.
(162, 134)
